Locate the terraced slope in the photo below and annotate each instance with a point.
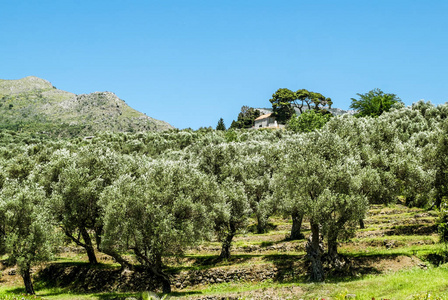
(394, 239)
(397, 247)
(34, 104)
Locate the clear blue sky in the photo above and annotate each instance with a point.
(191, 62)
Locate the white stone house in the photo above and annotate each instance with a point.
(266, 121)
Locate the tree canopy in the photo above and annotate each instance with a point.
(246, 118)
(308, 121)
(284, 102)
(374, 103)
(163, 211)
(281, 102)
(153, 195)
(221, 126)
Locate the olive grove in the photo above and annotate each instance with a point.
(145, 196)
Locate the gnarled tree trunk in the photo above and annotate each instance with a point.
(163, 278)
(361, 224)
(314, 254)
(155, 267)
(296, 226)
(225, 250)
(332, 240)
(262, 223)
(87, 245)
(26, 275)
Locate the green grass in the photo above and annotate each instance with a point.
(402, 238)
(59, 293)
(399, 285)
(417, 250)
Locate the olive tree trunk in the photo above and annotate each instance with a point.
(314, 254)
(155, 267)
(118, 258)
(26, 275)
(87, 245)
(163, 278)
(361, 224)
(225, 250)
(332, 244)
(296, 227)
(262, 223)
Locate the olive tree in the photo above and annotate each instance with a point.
(441, 167)
(322, 179)
(73, 181)
(254, 165)
(283, 196)
(29, 235)
(224, 163)
(162, 211)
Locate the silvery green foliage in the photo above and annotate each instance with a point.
(440, 163)
(399, 146)
(260, 160)
(21, 164)
(323, 179)
(225, 164)
(162, 211)
(73, 181)
(29, 233)
(2, 212)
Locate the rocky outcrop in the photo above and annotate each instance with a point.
(34, 103)
(24, 85)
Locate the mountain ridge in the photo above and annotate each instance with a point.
(34, 104)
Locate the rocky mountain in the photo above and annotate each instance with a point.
(34, 104)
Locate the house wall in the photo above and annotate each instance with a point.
(263, 123)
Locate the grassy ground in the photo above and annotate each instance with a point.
(395, 257)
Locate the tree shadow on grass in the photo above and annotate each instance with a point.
(294, 268)
(17, 290)
(269, 227)
(412, 229)
(208, 262)
(289, 268)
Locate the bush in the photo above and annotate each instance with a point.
(308, 121)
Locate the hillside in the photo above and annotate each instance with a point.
(34, 104)
(385, 260)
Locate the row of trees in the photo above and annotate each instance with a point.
(305, 111)
(156, 194)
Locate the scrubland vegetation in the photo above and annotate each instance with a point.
(354, 207)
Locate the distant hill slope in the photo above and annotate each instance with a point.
(34, 104)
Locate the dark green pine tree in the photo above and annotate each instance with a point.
(221, 125)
